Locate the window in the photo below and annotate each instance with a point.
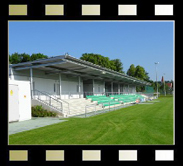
(98, 88)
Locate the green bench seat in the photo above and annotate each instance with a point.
(98, 99)
(105, 101)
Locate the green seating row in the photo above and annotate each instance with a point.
(105, 101)
(100, 98)
(127, 100)
(91, 97)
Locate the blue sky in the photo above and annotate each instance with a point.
(138, 43)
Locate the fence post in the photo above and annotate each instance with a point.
(38, 96)
(50, 101)
(95, 109)
(69, 108)
(85, 111)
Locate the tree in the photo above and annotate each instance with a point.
(118, 65)
(131, 70)
(161, 87)
(15, 58)
(140, 73)
(112, 65)
(147, 78)
(10, 61)
(18, 58)
(102, 61)
(38, 56)
(25, 57)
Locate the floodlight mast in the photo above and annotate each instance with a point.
(156, 63)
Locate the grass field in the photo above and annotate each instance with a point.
(139, 124)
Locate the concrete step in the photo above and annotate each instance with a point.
(77, 106)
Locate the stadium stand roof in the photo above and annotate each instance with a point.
(77, 67)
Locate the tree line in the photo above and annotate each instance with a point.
(114, 64)
(23, 57)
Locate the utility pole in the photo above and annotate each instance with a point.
(156, 63)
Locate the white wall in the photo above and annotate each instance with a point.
(13, 103)
(45, 83)
(24, 99)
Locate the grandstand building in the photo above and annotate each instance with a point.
(65, 78)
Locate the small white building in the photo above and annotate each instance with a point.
(66, 77)
(19, 101)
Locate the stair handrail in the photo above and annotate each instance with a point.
(58, 100)
(50, 97)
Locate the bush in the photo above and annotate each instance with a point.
(39, 111)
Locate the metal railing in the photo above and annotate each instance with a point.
(58, 98)
(104, 108)
(117, 93)
(52, 95)
(110, 105)
(93, 93)
(71, 95)
(47, 99)
(106, 93)
(89, 106)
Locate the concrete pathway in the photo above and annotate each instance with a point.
(35, 122)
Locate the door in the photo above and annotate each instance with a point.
(13, 113)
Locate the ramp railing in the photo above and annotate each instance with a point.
(59, 99)
(89, 106)
(47, 99)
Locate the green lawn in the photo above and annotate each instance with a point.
(139, 124)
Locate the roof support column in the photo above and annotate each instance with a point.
(11, 73)
(104, 88)
(135, 89)
(93, 86)
(128, 89)
(112, 87)
(60, 82)
(31, 82)
(79, 90)
(118, 88)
